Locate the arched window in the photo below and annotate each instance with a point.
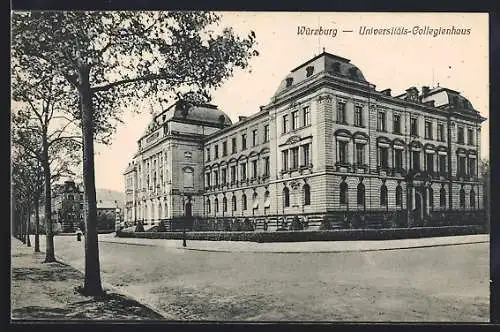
(361, 194)
(307, 194)
(224, 204)
(462, 198)
(216, 205)
(383, 195)
(343, 193)
(286, 197)
(244, 202)
(472, 198)
(442, 197)
(399, 195)
(208, 206)
(233, 202)
(431, 197)
(255, 201)
(267, 202)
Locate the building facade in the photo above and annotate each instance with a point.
(68, 208)
(327, 151)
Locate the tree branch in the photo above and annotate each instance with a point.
(70, 138)
(109, 86)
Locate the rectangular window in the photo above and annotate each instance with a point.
(341, 113)
(306, 116)
(285, 123)
(233, 174)
(398, 158)
(358, 117)
(295, 120)
(223, 176)
(284, 156)
(430, 162)
(233, 145)
(216, 151)
(254, 169)
(243, 168)
(266, 133)
(472, 167)
(360, 154)
(208, 154)
(396, 124)
(381, 121)
(461, 165)
(428, 130)
(440, 132)
(415, 156)
(216, 178)
(254, 137)
(470, 136)
(295, 158)
(266, 166)
(207, 180)
(306, 158)
(383, 156)
(442, 164)
(243, 141)
(413, 127)
(460, 138)
(224, 148)
(342, 152)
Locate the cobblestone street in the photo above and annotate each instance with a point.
(446, 283)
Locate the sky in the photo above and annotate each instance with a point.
(458, 62)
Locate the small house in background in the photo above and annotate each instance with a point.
(68, 208)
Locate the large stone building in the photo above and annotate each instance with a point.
(329, 150)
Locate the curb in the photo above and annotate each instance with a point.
(117, 290)
(129, 243)
(332, 251)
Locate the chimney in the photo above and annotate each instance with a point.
(425, 91)
(412, 93)
(242, 118)
(386, 92)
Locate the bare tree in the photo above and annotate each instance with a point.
(42, 127)
(124, 57)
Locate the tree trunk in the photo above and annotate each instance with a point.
(92, 285)
(28, 221)
(49, 235)
(21, 224)
(37, 225)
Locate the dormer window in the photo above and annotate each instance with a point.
(289, 81)
(309, 71)
(353, 72)
(336, 67)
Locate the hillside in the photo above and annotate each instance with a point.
(110, 196)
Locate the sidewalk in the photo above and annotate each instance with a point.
(46, 291)
(302, 247)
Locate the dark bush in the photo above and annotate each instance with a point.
(325, 225)
(297, 224)
(139, 227)
(321, 235)
(162, 227)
